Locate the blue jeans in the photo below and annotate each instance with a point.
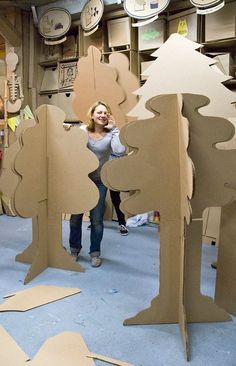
(96, 218)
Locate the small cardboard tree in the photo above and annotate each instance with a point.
(97, 81)
(54, 165)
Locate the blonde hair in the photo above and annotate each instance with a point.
(91, 127)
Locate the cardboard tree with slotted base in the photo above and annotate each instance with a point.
(54, 165)
(167, 185)
(179, 68)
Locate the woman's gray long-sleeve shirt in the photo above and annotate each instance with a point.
(103, 148)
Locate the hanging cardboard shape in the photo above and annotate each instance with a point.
(35, 297)
(225, 291)
(127, 80)
(10, 352)
(177, 63)
(52, 183)
(97, 81)
(170, 195)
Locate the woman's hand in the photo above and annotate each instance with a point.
(111, 123)
(67, 126)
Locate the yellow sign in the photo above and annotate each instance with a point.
(183, 27)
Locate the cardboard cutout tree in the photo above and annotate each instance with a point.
(214, 186)
(8, 178)
(127, 80)
(97, 81)
(179, 68)
(54, 165)
(167, 186)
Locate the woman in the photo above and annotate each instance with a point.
(103, 139)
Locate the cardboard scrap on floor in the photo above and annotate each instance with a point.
(36, 296)
(10, 353)
(108, 360)
(68, 348)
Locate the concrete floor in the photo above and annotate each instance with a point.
(125, 284)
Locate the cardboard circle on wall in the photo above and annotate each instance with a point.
(54, 23)
(143, 9)
(91, 14)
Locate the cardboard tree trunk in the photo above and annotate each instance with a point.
(97, 81)
(214, 168)
(167, 187)
(54, 165)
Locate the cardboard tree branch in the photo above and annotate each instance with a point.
(167, 187)
(97, 81)
(65, 349)
(35, 297)
(214, 168)
(54, 165)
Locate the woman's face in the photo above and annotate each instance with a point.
(100, 115)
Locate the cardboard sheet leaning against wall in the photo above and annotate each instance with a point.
(54, 165)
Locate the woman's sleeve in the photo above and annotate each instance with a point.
(116, 146)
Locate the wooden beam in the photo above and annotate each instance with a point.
(9, 32)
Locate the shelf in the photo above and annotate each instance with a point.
(231, 84)
(51, 63)
(220, 44)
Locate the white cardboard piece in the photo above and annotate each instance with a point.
(53, 183)
(36, 296)
(179, 68)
